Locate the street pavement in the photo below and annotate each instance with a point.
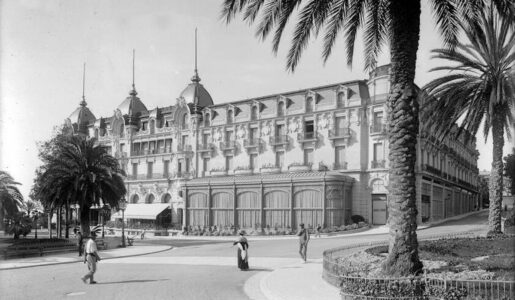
(186, 268)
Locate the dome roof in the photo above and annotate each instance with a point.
(82, 115)
(195, 93)
(132, 105)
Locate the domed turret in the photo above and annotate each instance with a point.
(82, 116)
(132, 105)
(195, 94)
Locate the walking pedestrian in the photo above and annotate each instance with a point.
(91, 257)
(242, 254)
(319, 228)
(303, 235)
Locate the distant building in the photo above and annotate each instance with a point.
(316, 155)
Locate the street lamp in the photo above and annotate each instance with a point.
(35, 214)
(123, 206)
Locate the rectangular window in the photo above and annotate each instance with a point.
(228, 163)
(161, 146)
(187, 167)
(166, 168)
(184, 140)
(205, 138)
(308, 156)
(150, 166)
(152, 147)
(309, 129)
(253, 133)
(378, 152)
(341, 124)
(228, 135)
(253, 161)
(279, 158)
(205, 165)
(168, 145)
(339, 157)
(134, 170)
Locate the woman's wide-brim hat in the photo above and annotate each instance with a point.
(242, 232)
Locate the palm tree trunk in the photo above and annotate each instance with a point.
(84, 220)
(403, 125)
(67, 221)
(50, 223)
(496, 174)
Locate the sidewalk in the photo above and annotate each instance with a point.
(71, 257)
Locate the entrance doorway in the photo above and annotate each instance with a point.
(379, 211)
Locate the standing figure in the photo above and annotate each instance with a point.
(243, 255)
(303, 235)
(91, 257)
(319, 228)
(80, 240)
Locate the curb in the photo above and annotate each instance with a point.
(79, 260)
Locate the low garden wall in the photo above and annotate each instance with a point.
(418, 287)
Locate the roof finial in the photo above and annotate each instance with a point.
(83, 102)
(133, 92)
(195, 77)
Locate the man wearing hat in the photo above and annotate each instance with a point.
(303, 235)
(91, 257)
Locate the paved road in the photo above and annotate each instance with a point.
(192, 270)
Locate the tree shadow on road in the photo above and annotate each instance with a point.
(133, 281)
(259, 269)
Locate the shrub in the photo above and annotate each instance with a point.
(357, 219)
(362, 224)
(510, 219)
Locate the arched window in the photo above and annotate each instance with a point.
(135, 199)
(207, 121)
(341, 99)
(309, 104)
(122, 133)
(280, 109)
(184, 122)
(150, 199)
(254, 113)
(96, 133)
(230, 115)
(166, 198)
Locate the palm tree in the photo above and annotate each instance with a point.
(80, 172)
(11, 199)
(479, 88)
(396, 22)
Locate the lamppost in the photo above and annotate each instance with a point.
(123, 206)
(35, 214)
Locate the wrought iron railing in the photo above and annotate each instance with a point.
(278, 140)
(375, 164)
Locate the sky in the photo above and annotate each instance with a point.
(44, 45)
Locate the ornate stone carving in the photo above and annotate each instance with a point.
(241, 132)
(294, 125)
(266, 128)
(217, 135)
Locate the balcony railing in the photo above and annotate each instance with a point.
(378, 128)
(339, 133)
(340, 166)
(227, 145)
(251, 143)
(306, 137)
(182, 174)
(183, 148)
(207, 147)
(378, 164)
(278, 140)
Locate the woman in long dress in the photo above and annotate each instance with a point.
(243, 255)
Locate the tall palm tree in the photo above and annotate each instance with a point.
(392, 22)
(80, 172)
(11, 200)
(478, 88)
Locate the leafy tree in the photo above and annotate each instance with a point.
(484, 191)
(396, 23)
(10, 197)
(478, 88)
(509, 170)
(79, 171)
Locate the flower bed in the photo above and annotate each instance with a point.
(453, 269)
